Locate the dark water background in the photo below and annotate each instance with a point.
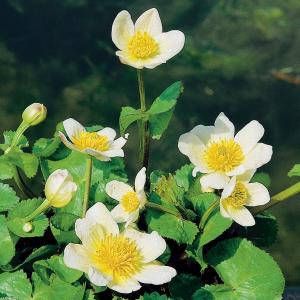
(241, 57)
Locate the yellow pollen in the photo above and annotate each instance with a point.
(223, 155)
(118, 257)
(143, 46)
(238, 197)
(130, 202)
(91, 140)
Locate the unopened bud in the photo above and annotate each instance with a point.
(60, 188)
(34, 114)
(27, 227)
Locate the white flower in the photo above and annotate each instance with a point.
(143, 44)
(60, 188)
(34, 114)
(239, 193)
(219, 154)
(131, 201)
(117, 260)
(100, 144)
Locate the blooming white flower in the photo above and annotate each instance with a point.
(131, 201)
(239, 193)
(219, 154)
(143, 44)
(117, 260)
(60, 188)
(100, 144)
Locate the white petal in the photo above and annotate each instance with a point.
(75, 257)
(203, 132)
(125, 287)
(126, 59)
(118, 143)
(132, 218)
(259, 194)
(113, 153)
(156, 274)
(241, 216)
(223, 211)
(96, 277)
(108, 132)
(249, 136)
(119, 214)
(97, 214)
(73, 128)
(237, 171)
(149, 22)
(116, 189)
(140, 180)
(67, 143)
(122, 29)
(260, 155)
(214, 180)
(170, 43)
(152, 245)
(246, 176)
(229, 188)
(223, 127)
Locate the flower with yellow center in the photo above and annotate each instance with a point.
(130, 200)
(119, 260)
(238, 193)
(101, 144)
(219, 154)
(143, 44)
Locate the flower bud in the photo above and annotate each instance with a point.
(34, 114)
(27, 227)
(60, 188)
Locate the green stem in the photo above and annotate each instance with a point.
(282, 196)
(163, 209)
(207, 214)
(144, 128)
(38, 211)
(88, 178)
(20, 130)
(21, 185)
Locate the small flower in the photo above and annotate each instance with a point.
(119, 260)
(143, 44)
(131, 201)
(239, 193)
(34, 114)
(100, 144)
(60, 188)
(218, 153)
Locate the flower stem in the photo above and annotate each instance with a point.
(20, 130)
(144, 128)
(21, 184)
(38, 210)
(285, 194)
(163, 209)
(207, 214)
(88, 178)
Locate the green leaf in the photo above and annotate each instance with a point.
(9, 135)
(167, 225)
(7, 247)
(262, 178)
(202, 201)
(128, 116)
(184, 177)
(64, 237)
(7, 169)
(25, 161)
(154, 296)
(215, 292)
(183, 286)
(8, 197)
(247, 272)
(15, 286)
(46, 147)
(64, 221)
(56, 289)
(16, 219)
(56, 265)
(162, 108)
(295, 171)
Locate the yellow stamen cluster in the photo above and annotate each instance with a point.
(142, 46)
(130, 202)
(118, 257)
(223, 155)
(91, 140)
(238, 197)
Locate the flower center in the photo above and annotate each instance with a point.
(130, 202)
(118, 257)
(91, 140)
(223, 155)
(238, 197)
(143, 46)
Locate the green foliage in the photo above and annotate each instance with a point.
(262, 178)
(154, 296)
(7, 170)
(8, 197)
(295, 171)
(7, 247)
(128, 116)
(46, 147)
(247, 272)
